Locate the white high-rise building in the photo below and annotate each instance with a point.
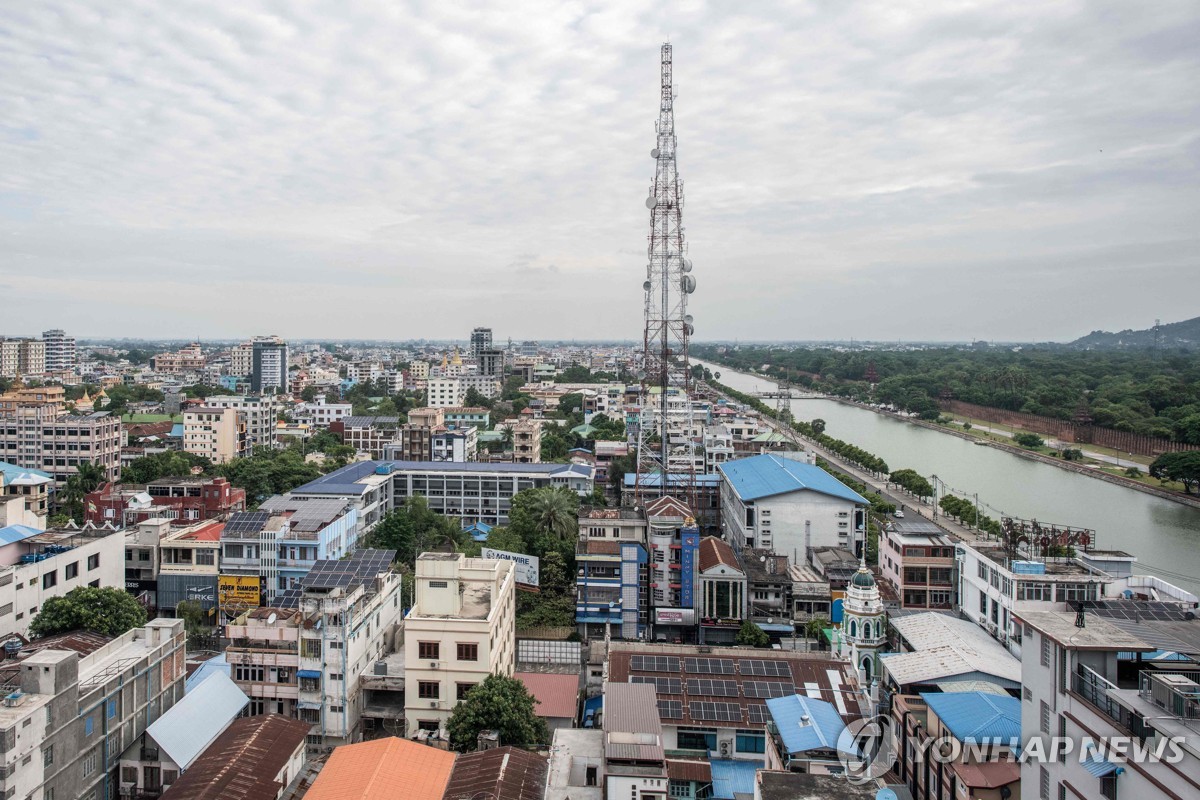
(60, 350)
(270, 365)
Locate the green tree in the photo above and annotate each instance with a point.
(171, 464)
(498, 703)
(1183, 467)
(751, 635)
(86, 479)
(91, 608)
(571, 402)
(504, 538)
(1029, 440)
(268, 472)
(818, 426)
(555, 512)
(414, 529)
(476, 399)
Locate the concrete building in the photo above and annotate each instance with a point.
(611, 584)
(481, 339)
(60, 351)
(214, 433)
(182, 500)
(486, 385)
(932, 649)
(772, 502)
(368, 435)
(916, 558)
(723, 603)
(351, 612)
(22, 357)
(269, 369)
(672, 541)
(454, 444)
(444, 392)
(635, 761)
(1095, 681)
(460, 629)
(38, 565)
(185, 360)
(259, 414)
(864, 622)
(322, 414)
(385, 769)
(72, 714)
(241, 360)
(264, 656)
(24, 495)
(36, 432)
(527, 441)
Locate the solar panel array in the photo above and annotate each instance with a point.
(709, 666)
(670, 709)
(768, 669)
(1139, 610)
(712, 688)
(717, 712)
(344, 573)
(245, 522)
(289, 598)
(758, 714)
(654, 664)
(661, 685)
(767, 688)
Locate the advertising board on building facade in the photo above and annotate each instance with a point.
(242, 591)
(674, 616)
(526, 566)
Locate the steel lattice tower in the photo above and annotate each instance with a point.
(665, 364)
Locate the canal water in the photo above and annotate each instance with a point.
(1165, 536)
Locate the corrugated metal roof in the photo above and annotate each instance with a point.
(203, 714)
(767, 475)
(557, 694)
(805, 723)
(632, 731)
(382, 770)
(949, 661)
(977, 716)
(216, 664)
(731, 778)
(11, 534)
(243, 762)
(504, 773)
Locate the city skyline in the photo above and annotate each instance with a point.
(383, 173)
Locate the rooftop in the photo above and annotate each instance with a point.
(190, 725)
(1097, 634)
(557, 694)
(809, 786)
(377, 769)
(503, 773)
(769, 475)
(243, 761)
(572, 751)
(977, 717)
(716, 552)
(806, 723)
(632, 731)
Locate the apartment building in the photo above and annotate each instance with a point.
(454, 444)
(38, 565)
(189, 359)
(486, 385)
(24, 495)
(316, 530)
(69, 714)
(60, 351)
(526, 441)
(264, 657)
(215, 433)
(368, 434)
(773, 502)
(269, 368)
(635, 763)
(461, 628)
(36, 432)
(188, 567)
(320, 413)
(1095, 680)
(481, 339)
(611, 584)
(19, 357)
(182, 500)
(444, 392)
(241, 360)
(259, 414)
(917, 558)
(351, 612)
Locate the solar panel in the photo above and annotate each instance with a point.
(706, 687)
(768, 669)
(335, 573)
(654, 664)
(717, 712)
(661, 685)
(288, 599)
(758, 714)
(709, 666)
(247, 522)
(1138, 610)
(670, 709)
(767, 689)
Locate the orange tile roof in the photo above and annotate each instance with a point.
(557, 694)
(209, 533)
(714, 551)
(384, 769)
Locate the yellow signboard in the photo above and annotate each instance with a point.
(238, 590)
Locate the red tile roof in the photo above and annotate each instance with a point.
(714, 551)
(557, 694)
(208, 533)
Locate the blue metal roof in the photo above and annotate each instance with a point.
(1097, 764)
(730, 778)
(767, 475)
(822, 730)
(12, 472)
(206, 668)
(16, 533)
(977, 716)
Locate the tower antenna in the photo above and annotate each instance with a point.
(665, 376)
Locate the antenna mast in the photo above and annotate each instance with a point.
(666, 378)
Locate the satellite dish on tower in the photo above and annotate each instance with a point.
(651, 202)
(646, 285)
(687, 265)
(654, 153)
(688, 284)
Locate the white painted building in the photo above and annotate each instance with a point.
(460, 630)
(444, 392)
(322, 414)
(773, 502)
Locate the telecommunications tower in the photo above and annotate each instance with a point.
(666, 407)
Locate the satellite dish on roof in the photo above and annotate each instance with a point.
(271, 619)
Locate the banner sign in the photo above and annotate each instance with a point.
(239, 590)
(527, 566)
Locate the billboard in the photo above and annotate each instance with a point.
(527, 566)
(674, 616)
(239, 591)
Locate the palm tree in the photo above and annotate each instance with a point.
(555, 512)
(86, 479)
(506, 437)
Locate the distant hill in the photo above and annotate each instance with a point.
(1172, 336)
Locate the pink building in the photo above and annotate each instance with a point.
(917, 558)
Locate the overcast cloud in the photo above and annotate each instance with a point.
(393, 170)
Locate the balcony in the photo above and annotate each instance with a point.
(1097, 691)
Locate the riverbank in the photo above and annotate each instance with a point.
(1191, 501)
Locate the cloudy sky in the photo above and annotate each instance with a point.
(908, 169)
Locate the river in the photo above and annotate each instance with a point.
(1165, 536)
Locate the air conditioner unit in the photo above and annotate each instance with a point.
(433, 665)
(434, 703)
(725, 747)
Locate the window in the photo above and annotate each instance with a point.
(428, 650)
(468, 651)
(89, 764)
(1045, 716)
(1045, 650)
(129, 774)
(71, 570)
(87, 726)
(461, 690)
(47, 755)
(50, 579)
(427, 725)
(93, 561)
(430, 690)
(1044, 783)
(751, 742)
(112, 708)
(697, 739)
